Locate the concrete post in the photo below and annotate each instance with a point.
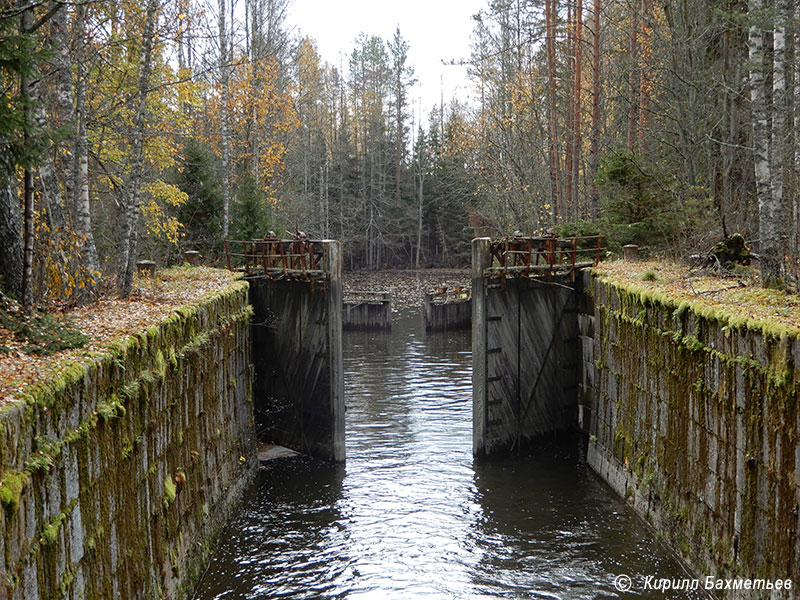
(630, 252)
(480, 261)
(335, 364)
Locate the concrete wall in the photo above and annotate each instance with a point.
(116, 477)
(695, 422)
(297, 354)
(524, 360)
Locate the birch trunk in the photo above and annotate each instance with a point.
(769, 251)
(778, 144)
(64, 104)
(133, 187)
(82, 212)
(225, 130)
(51, 192)
(27, 198)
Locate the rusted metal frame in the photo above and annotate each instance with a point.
(246, 259)
(550, 246)
(304, 252)
(499, 271)
(228, 256)
(283, 257)
(597, 256)
(572, 257)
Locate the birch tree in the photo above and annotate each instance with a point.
(130, 223)
(767, 204)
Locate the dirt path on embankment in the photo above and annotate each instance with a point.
(406, 287)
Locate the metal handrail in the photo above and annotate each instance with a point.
(542, 255)
(272, 256)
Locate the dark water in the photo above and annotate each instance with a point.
(411, 515)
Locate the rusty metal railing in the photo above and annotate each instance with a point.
(444, 294)
(543, 256)
(271, 256)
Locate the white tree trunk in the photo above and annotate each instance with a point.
(225, 130)
(83, 218)
(768, 231)
(778, 146)
(133, 187)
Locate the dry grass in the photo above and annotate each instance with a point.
(108, 320)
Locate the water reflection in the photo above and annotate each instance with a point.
(289, 516)
(412, 515)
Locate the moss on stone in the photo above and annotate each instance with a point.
(170, 491)
(50, 531)
(11, 486)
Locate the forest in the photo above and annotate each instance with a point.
(142, 129)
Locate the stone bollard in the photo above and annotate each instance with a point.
(630, 252)
(192, 257)
(146, 268)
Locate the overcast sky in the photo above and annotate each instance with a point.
(436, 30)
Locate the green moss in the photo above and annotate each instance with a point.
(50, 531)
(11, 486)
(159, 365)
(111, 409)
(170, 491)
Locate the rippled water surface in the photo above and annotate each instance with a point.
(411, 515)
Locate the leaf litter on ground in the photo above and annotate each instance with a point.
(105, 321)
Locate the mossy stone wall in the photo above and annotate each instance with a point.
(695, 423)
(116, 477)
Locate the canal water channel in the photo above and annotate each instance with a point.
(413, 515)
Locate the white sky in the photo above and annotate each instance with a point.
(435, 30)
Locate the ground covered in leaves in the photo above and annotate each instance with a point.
(737, 293)
(406, 287)
(103, 322)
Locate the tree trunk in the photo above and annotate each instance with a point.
(65, 107)
(81, 210)
(555, 185)
(633, 78)
(594, 151)
(645, 50)
(11, 258)
(576, 106)
(767, 209)
(225, 130)
(133, 187)
(570, 125)
(779, 142)
(27, 198)
(420, 209)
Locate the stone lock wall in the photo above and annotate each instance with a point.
(695, 422)
(116, 477)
